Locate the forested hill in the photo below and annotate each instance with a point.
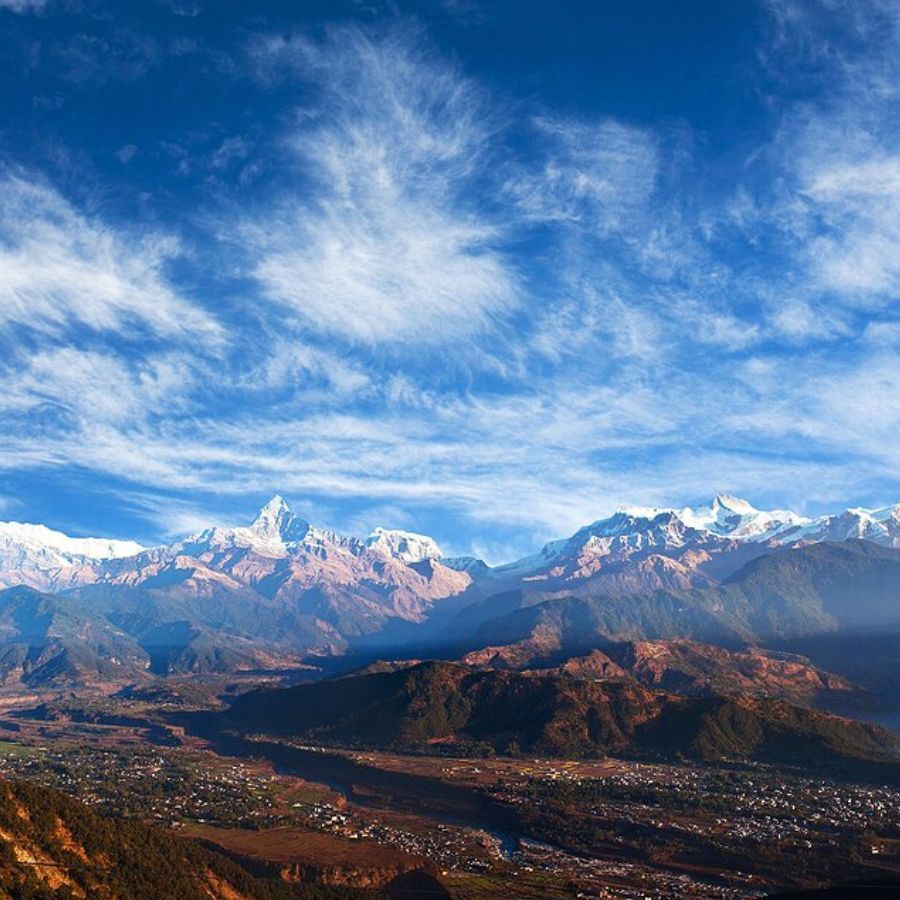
(555, 714)
(54, 846)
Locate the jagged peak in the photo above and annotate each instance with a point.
(407, 546)
(732, 504)
(724, 516)
(632, 512)
(276, 506)
(626, 518)
(276, 522)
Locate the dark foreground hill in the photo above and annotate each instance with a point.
(54, 846)
(556, 714)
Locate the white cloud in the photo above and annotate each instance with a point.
(543, 460)
(59, 268)
(386, 274)
(231, 149)
(842, 411)
(626, 380)
(23, 6)
(381, 247)
(858, 203)
(838, 153)
(599, 174)
(861, 409)
(799, 320)
(95, 386)
(126, 153)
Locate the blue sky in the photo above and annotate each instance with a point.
(483, 270)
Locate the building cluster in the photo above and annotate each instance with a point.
(457, 848)
(659, 806)
(154, 786)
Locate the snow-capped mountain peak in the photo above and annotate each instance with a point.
(41, 557)
(406, 546)
(273, 532)
(732, 505)
(633, 529)
(662, 527)
(276, 523)
(40, 539)
(732, 517)
(643, 547)
(879, 525)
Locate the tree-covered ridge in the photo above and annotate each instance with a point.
(52, 846)
(557, 714)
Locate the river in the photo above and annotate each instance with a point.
(368, 786)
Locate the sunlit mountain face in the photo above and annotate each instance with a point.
(36, 554)
(449, 448)
(283, 589)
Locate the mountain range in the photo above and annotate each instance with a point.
(635, 547)
(280, 592)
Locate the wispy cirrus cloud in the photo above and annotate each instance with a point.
(836, 202)
(97, 386)
(91, 59)
(383, 245)
(496, 319)
(600, 174)
(858, 205)
(60, 267)
(23, 6)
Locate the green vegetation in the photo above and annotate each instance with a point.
(68, 850)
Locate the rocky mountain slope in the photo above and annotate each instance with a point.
(401, 574)
(122, 635)
(638, 549)
(794, 592)
(267, 595)
(39, 557)
(255, 597)
(350, 585)
(683, 667)
(53, 846)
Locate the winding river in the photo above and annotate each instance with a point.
(368, 786)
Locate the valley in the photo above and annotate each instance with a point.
(530, 827)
